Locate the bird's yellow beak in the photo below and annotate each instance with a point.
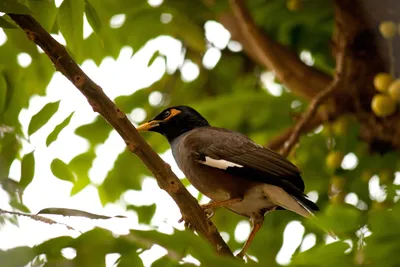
(147, 126)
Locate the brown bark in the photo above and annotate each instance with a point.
(301, 79)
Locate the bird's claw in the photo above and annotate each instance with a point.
(208, 211)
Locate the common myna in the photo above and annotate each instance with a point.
(230, 169)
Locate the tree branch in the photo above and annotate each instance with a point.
(100, 103)
(278, 142)
(35, 217)
(318, 100)
(302, 79)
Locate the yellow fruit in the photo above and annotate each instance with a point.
(382, 105)
(338, 182)
(394, 90)
(293, 5)
(387, 29)
(334, 159)
(382, 81)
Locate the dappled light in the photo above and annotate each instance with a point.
(107, 157)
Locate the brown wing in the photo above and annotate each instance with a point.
(243, 157)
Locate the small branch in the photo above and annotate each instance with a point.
(318, 100)
(312, 109)
(302, 79)
(278, 142)
(100, 103)
(35, 217)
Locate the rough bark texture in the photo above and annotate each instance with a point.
(167, 180)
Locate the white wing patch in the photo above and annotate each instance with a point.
(219, 163)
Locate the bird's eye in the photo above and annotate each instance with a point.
(167, 113)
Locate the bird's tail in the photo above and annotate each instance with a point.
(298, 204)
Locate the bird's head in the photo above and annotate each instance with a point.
(174, 121)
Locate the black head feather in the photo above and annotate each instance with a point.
(188, 119)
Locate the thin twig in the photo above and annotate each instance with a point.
(316, 102)
(35, 217)
(278, 142)
(301, 79)
(100, 103)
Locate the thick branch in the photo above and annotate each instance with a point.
(166, 179)
(302, 79)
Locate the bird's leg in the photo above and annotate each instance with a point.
(222, 203)
(257, 223)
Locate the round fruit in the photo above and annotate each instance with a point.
(394, 90)
(382, 105)
(334, 159)
(382, 81)
(293, 5)
(387, 29)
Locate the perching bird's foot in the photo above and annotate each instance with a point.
(208, 211)
(186, 223)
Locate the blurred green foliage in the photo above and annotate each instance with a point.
(230, 95)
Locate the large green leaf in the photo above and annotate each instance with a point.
(70, 23)
(19, 256)
(13, 6)
(44, 11)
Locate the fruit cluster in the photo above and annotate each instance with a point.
(384, 103)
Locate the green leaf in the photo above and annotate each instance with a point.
(5, 24)
(92, 17)
(19, 256)
(54, 246)
(44, 11)
(61, 170)
(13, 6)
(3, 90)
(70, 23)
(9, 147)
(42, 117)
(27, 169)
(145, 213)
(329, 255)
(95, 132)
(130, 259)
(54, 134)
(80, 165)
(76, 213)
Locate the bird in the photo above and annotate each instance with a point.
(230, 169)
